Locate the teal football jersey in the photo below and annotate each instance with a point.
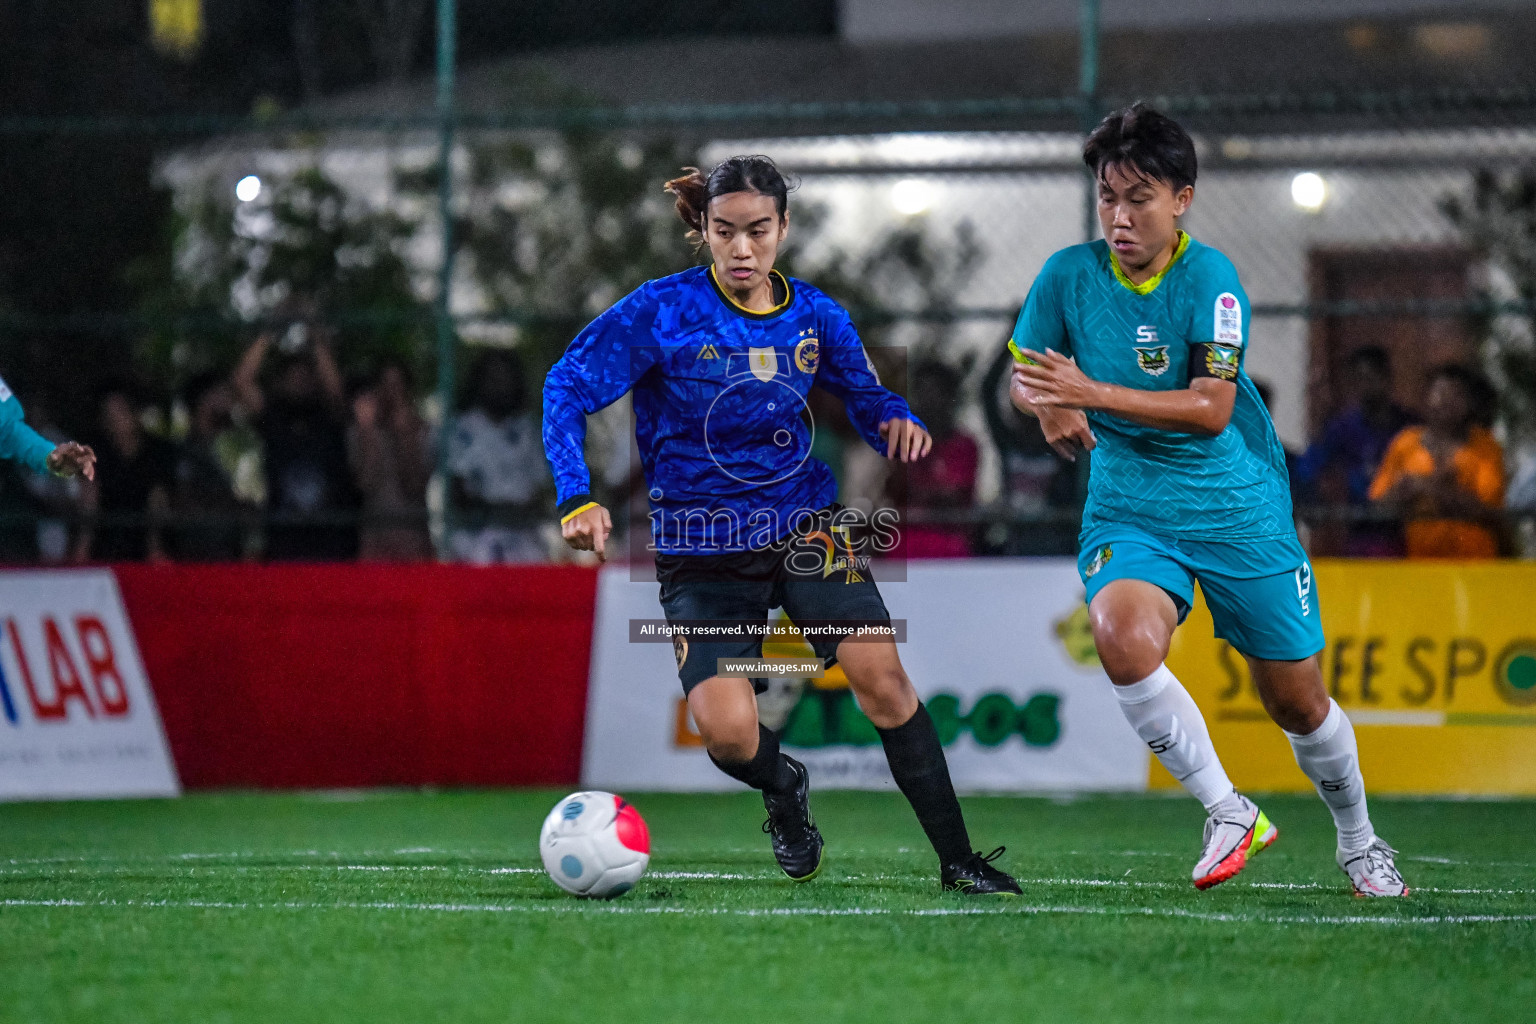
(1226, 489)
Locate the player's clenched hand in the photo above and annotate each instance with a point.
(589, 531)
(1067, 431)
(905, 440)
(72, 459)
(1055, 380)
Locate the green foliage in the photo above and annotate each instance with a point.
(1498, 218)
(310, 248)
(551, 232)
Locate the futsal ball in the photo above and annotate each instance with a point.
(595, 844)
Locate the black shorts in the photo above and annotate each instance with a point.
(814, 578)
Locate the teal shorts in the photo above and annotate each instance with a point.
(1264, 614)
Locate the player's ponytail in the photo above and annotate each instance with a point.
(695, 189)
(692, 193)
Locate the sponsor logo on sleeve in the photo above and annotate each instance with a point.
(869, 364)
(1229, 319)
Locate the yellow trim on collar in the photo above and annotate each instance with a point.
(1148, 286)
(788, 294)
(573, 513)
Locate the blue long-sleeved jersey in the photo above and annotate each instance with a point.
(720, 406)
(17, 440)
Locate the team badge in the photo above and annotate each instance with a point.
(808, 355)
(1229, 320)
(679, 649)
(764, 363)
(1221, 361)
(1105, 554)
(1153, 360)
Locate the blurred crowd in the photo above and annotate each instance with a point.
(285, 459)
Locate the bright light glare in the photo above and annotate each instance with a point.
(912, 196)
(248, 188)
(1309, 191)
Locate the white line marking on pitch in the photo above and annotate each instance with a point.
(496, 908)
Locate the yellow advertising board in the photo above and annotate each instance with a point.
(1434, 662)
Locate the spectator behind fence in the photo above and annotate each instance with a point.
(1037, 480)
(1446, 478)
(1338, 467)
(496, 460)
(944, 482)
(311, 501)
(211, 520)
(126, 504)
(390, 448)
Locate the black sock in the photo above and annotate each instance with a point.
(767, 771)
(922, 774)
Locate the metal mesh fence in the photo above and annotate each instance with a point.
(1393, 221)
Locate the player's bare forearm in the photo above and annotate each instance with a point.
(1205, 407)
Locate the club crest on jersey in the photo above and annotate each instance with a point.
(1152, 359)
(1229, 320)
(1105, 553)
(764, 363)
(1221, 361)
(808, 355)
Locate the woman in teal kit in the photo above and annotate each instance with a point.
(1134, 347)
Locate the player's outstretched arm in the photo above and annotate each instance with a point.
(72, 459)
(1205, 407)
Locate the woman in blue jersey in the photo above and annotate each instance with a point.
(720, 360)
(26, 446)
(1134, 347)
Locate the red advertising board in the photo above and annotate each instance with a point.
(367, 675)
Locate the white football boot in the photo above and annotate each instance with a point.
(1231, 837)
(1371, 870)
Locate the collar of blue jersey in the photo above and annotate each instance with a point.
(1149, 286)
(753, 314)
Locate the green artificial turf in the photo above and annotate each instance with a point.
(385, 907)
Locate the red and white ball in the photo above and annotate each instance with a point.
(595, 844)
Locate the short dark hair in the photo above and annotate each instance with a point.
(759, 174)
(1149, 143)
(1374, 356)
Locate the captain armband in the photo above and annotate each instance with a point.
(1212, 360)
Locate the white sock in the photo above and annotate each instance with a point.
(1328, 757)
(1164, 715)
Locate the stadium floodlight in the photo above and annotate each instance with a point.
(248, 188)
(912, 196)
(1309, 191)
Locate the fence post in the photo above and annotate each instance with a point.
(447, 341)
(1088, 99)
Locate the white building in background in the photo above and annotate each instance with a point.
(885, 21)
(1024, 194)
